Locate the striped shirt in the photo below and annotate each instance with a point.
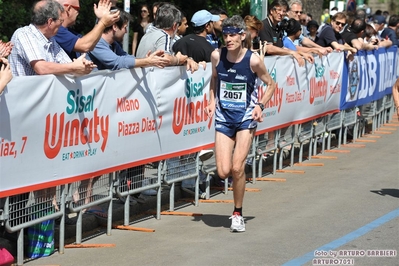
(154, 39)
(31, 45)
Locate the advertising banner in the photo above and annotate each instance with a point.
(302, 93)
(60, 129)
(368, 77)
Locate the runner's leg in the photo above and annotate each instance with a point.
(243, 144)
(223, 151)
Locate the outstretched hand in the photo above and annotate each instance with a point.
(5, 48)
(83, 66)
(103, 13)
(299, 58)
(191, 65)
(157, 59)
(203, 64)
(308, 57)
(350, 56)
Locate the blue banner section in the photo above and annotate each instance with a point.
(368, 77)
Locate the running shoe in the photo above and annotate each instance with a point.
(237, 223)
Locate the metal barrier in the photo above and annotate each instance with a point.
(178, 169)
(334, 122)
(286, 137)
(368, 111)
(28, 209)
(379, 112)
(251, 156)
(88, 193)
(134, 180)
(319, 133)
(388, 108)
(266, 144)
(349, 119)
(208, 170)
(305, 134)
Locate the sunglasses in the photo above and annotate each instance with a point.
(297, 12)
(279, 10)
(340, 23)
(77, 8)
(144, 11)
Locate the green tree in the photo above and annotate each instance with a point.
(14, 14)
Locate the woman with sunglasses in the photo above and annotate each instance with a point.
(145, 18)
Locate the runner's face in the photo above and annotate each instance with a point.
(233, 41)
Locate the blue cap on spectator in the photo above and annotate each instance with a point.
(202, 17)
(378, 19)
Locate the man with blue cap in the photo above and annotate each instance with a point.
(195, 45)
(378, 23)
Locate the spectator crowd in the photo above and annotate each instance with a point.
(50, 46)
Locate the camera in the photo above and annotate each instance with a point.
(256, 43)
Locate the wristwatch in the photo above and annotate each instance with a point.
(262, 107)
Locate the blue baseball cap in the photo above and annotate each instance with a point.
(202, 17)
(378, 19)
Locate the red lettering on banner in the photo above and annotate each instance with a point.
(69, 134)
(276, 99)
(132, 128)
(148, 125)
(290, 81)
(294, 97)
(289, 98)
(334, 74)
(317, 89)
(126, 129)
(335, 89)
(127, 105)
(8, 148)
(190, 113)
